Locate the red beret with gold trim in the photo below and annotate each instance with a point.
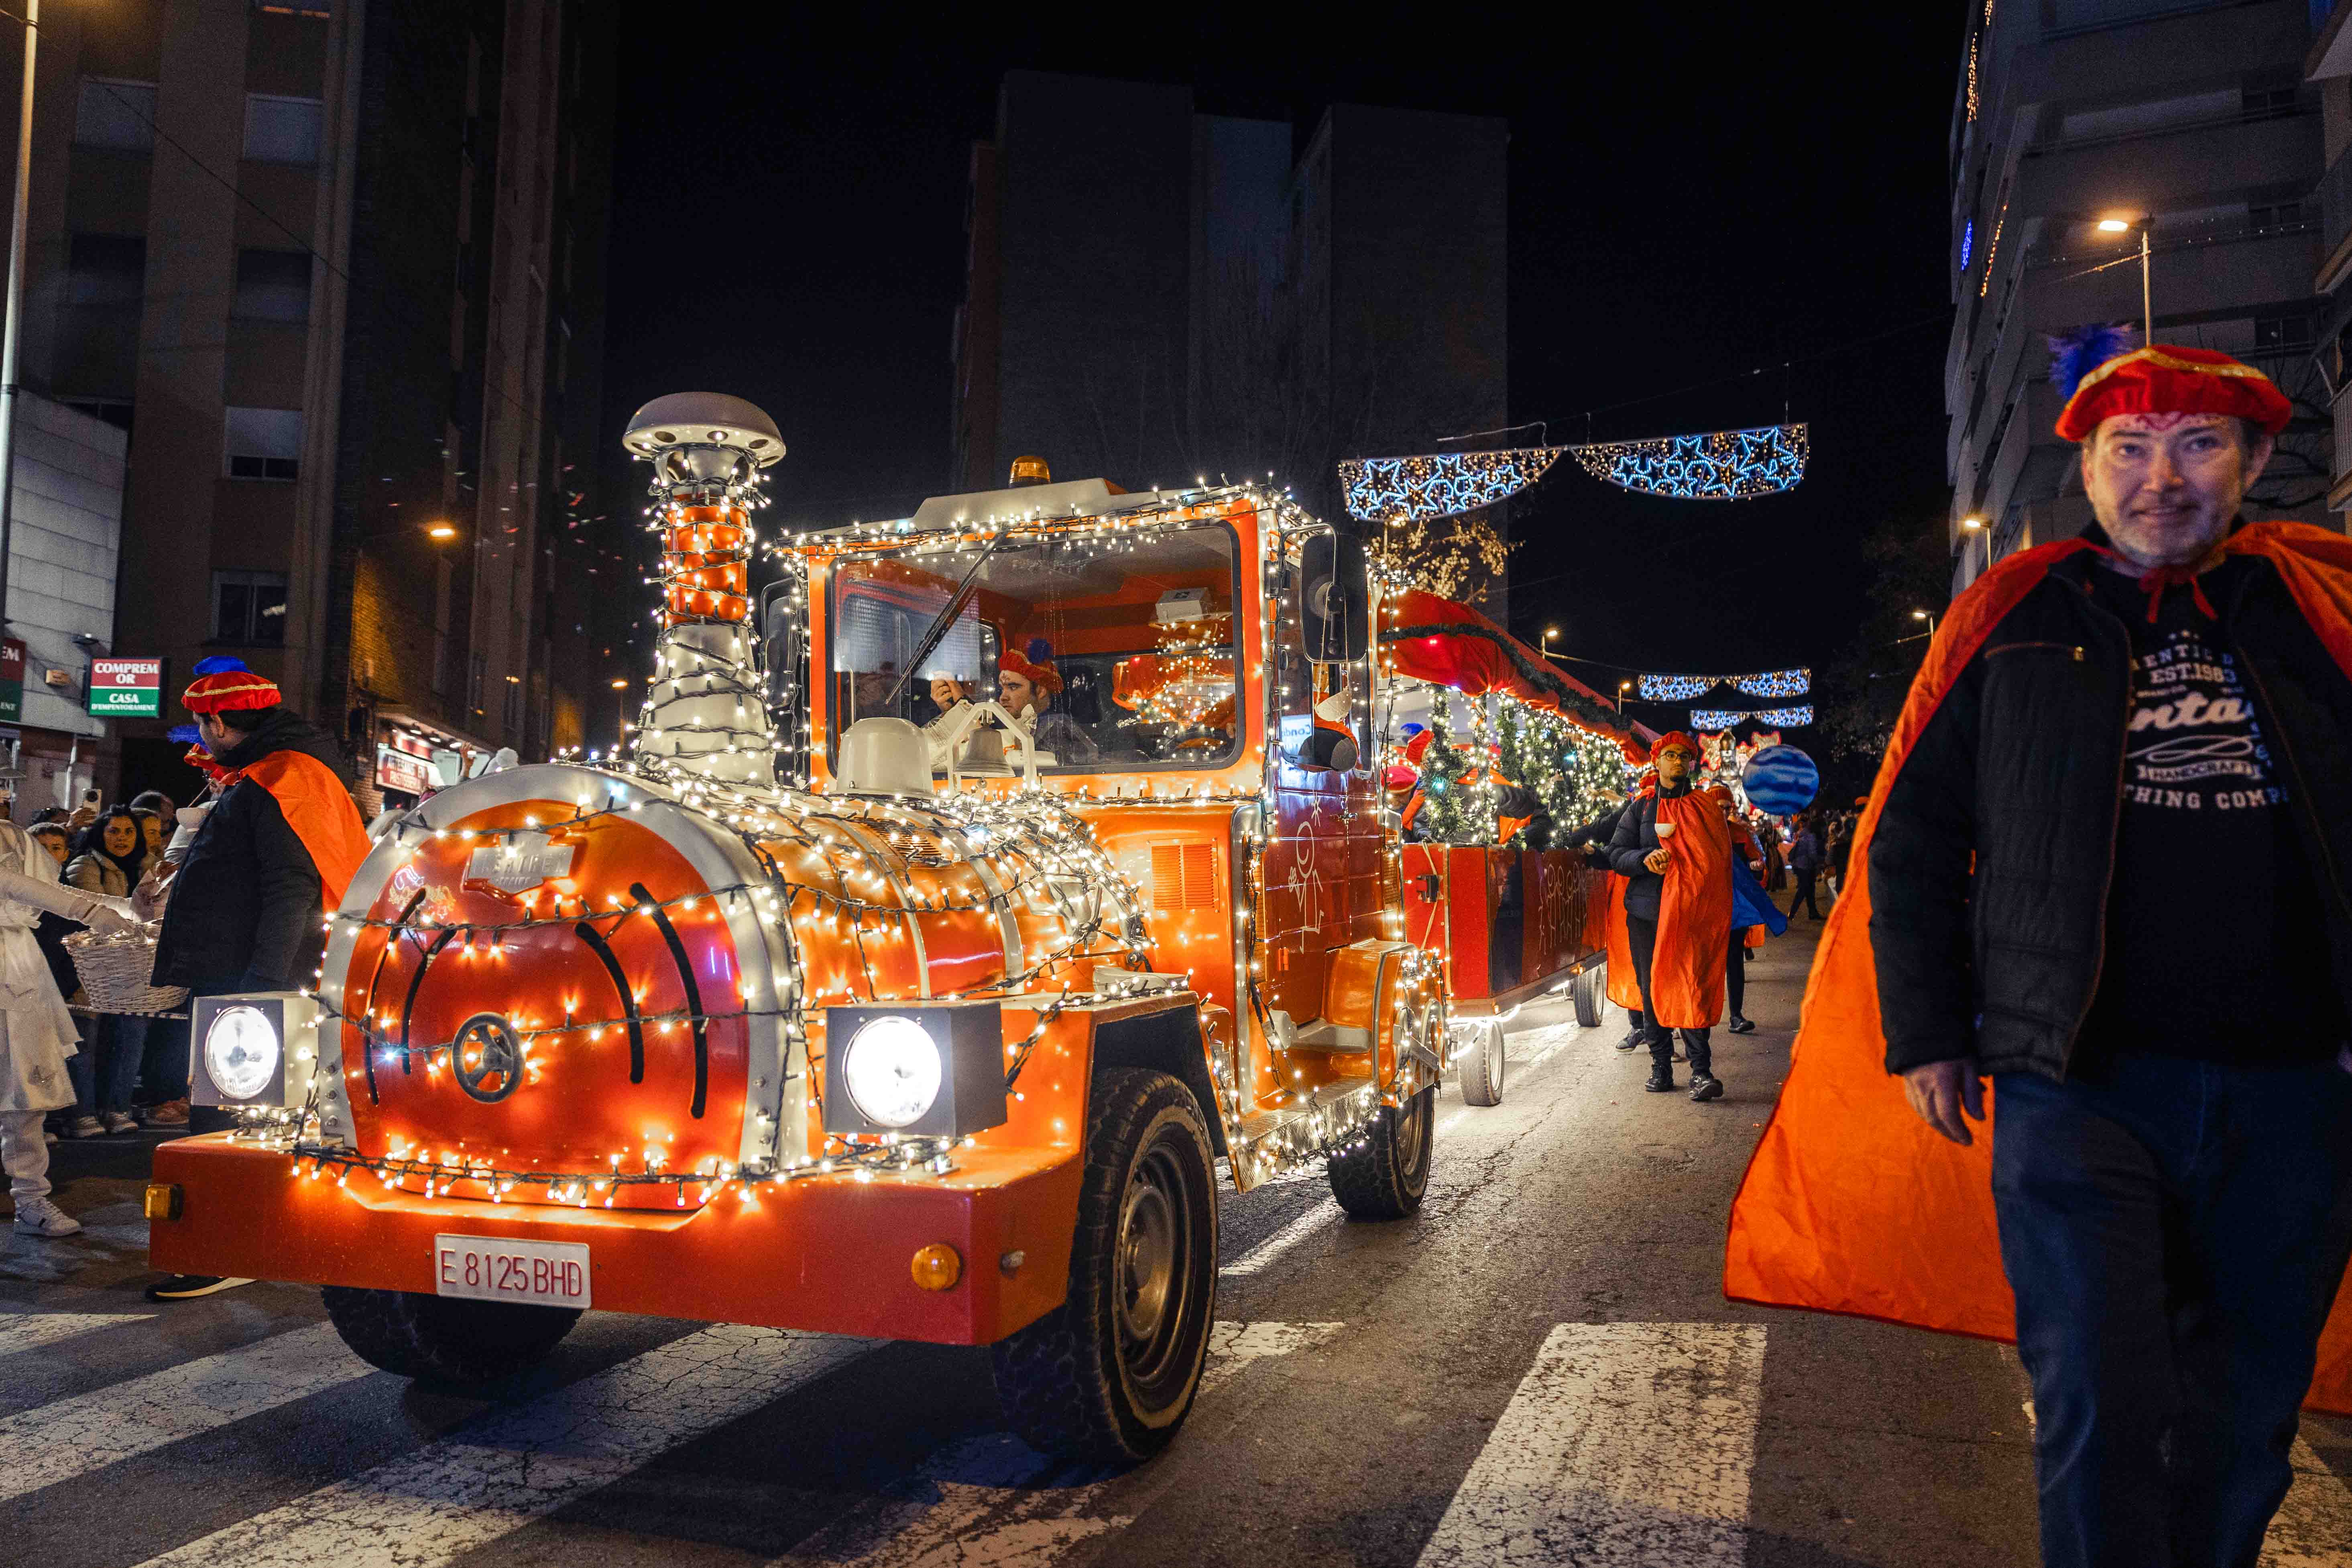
(228, 688)
(1675, 738)
(2166, 378)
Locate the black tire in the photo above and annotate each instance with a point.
(441, 1338)
(1109, 1375)
(1591, 998)
(1385, 1172)
(1481, 1067)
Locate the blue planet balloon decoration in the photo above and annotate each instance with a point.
(1780, 780)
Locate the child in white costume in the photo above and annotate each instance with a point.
(37, 1033)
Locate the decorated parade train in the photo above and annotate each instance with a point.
(852, 999)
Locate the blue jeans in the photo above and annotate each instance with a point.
(2174, 1233)
(106, 1069)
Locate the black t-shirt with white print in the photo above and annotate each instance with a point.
(2216, 947)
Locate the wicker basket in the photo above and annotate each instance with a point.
(114, 971)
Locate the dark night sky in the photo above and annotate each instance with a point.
(1694, 191)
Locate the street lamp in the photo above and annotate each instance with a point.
(1971, 523)
(1550, 633)
(1622, 687)
(2146, 306)
(441, 531)
(1924, 616)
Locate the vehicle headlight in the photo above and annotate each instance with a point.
(892, 1071)
(242, 1051)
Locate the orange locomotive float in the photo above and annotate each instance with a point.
(944, 1042)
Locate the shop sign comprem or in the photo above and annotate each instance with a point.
(126, 688)
(12, 680)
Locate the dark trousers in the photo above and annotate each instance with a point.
(1644, 934)
(1735, 972)
(1804, 895)
(2175, 1234)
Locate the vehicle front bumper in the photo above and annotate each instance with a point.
(830, 1254)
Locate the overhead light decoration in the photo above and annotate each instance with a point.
(1714, 718)
(1720, 465)
(1715, 465)
(1440, 484)
(1793, 682)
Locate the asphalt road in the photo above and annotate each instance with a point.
(1540, 1368)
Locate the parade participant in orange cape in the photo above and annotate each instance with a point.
(2100, 865)
(276, 852)
(1673, 850)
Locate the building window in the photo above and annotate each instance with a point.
(2281, 332)
(249, 608)
(281, 129)
(264, 443)
(513, 717)
(2280, 214)
(106, 269)
(273, 285)
(2269, 102)
(115, 113)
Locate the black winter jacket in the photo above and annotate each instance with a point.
(1593, 838)
(1989, 868)
(1636, 838)
(245, 909)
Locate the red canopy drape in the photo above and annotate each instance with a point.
(1447, 643)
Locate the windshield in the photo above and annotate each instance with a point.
(1115, 651)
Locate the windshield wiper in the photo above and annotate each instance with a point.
(938, 630)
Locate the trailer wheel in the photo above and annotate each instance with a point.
(441, 1338)
(1109, 1375)
(1385, 1172)
(1591, 999)
(1482, 1067)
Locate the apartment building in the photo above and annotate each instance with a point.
(2079, 128)
(336, 268)
(1155, 293)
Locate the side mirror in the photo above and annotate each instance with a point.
(1334, 599)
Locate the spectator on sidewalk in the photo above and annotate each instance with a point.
(37, 1033)
(1805, 863)
(2107, 869)
(1834, 857)
(276, 851)
(109, 854)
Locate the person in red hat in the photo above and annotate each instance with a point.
(276, 851)
(1674, 848)
(1027, 683)
(2107, 864)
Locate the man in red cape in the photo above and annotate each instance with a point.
(1673, 850)
(2104, 864)
(273, 855)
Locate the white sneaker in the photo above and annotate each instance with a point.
(40, 1217)
(116, 1121)
(86, 1127)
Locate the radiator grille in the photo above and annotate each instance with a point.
(1183, 876)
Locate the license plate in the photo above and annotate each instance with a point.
(489, 1269)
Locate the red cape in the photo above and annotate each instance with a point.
(320, 811)
(1693, 915)
(1851, 1204)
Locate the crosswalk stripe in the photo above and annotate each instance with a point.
(2313, 1529)
(1258, 1258)
(513, 1466)
(1626, 1444)
(993, 1499)
(31, 1330)
(70, 1438)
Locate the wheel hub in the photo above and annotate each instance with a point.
(1147, 1248)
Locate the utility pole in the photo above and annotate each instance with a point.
(12, 327)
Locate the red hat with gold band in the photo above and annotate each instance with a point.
(227, 688)
(1036, 668)
(2166, 378)
(1675, 738)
